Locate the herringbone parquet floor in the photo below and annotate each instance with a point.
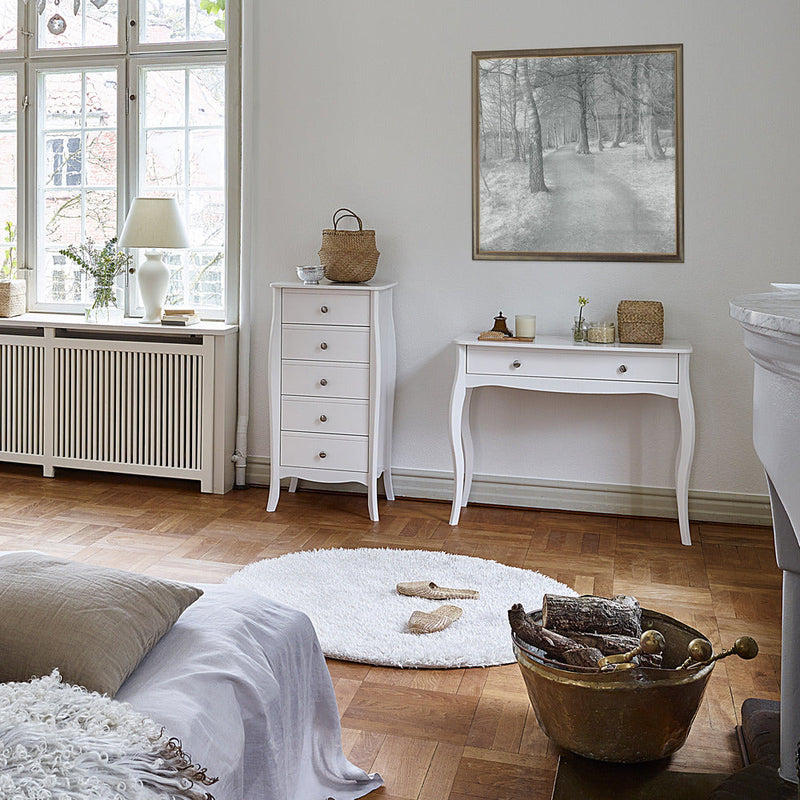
(449, 734)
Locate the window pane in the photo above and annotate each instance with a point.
(8, 174)
(95, 25)
(183, 21)
(77, 175)
(8, 25)
(184, 143)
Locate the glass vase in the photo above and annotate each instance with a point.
(580, 330)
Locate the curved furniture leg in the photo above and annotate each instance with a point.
(388, 488)
(457, 399)
(466, 441)
(274, 487)
(683, 465)
(292, 485)
(372, 497)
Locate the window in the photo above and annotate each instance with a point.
(119, 98)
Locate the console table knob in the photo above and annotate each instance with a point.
(323, 382)
(323, 454)
(324, 309)
(622, 369)
(323, 346)
(516, 365)
(323, 418)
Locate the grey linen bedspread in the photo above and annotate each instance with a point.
(242, 682)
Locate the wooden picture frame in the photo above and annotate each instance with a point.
(577, 154)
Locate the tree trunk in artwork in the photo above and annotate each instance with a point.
(513, 115)
(535, 156)
(652, 145)
(598, 129)
(619, 123)
(582, 147)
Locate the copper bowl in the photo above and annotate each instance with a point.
(627, 716)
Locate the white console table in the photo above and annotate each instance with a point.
(557, 364)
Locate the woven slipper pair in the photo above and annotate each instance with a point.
(430, 591)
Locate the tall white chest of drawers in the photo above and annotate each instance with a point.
(331, 386)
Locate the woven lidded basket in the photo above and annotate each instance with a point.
(640, 321)
(12, 298)
(348, 256)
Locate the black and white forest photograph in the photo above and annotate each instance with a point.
(577, 154)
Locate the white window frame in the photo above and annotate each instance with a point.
(30, 61)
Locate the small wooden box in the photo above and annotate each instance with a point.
(12, 298)
(640, 322)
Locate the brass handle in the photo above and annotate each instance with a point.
(516, 364)
(323, 346)
(622, 369)
(323, 382)
(323, 418)
(323, 454)
(324, 309)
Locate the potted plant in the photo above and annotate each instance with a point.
(580, 327)
(104, 265)
(12, 288)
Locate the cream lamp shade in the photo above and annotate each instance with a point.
(154, 223)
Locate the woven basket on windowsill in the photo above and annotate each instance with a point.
(12, 298)
(640, 322)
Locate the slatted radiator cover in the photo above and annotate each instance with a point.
(128, 407)
(22, 398)
(124, 402)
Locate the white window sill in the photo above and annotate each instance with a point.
(75, 322)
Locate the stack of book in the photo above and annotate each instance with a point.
(179, 316)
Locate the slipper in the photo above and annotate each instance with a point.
(433, 621)
(430, 591)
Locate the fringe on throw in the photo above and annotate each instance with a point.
(61, 742)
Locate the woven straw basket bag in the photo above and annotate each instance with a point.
(348, 256)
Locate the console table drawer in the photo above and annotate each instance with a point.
(321, 379)
(320, 307)
(347, 453)
(325, 415)
(591, 365)
(325, 343)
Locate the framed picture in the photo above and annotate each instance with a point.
(577, 154)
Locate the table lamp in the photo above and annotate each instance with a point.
(156, 224)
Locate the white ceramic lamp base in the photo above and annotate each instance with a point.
(153, 278)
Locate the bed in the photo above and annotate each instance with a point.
(240, 680)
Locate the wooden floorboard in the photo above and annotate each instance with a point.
(465, 734)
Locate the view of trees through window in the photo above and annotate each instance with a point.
(169, 142)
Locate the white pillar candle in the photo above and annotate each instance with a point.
(525, 326)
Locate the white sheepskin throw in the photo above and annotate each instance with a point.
(60, 742)
(351, 598)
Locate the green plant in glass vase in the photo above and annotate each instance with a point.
(579, 326)
(103, 265)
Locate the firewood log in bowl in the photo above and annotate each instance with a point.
(627, 716)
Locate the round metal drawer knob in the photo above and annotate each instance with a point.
(324, 309)
(323, 454)
(323, 418)
(622, 369)
(323, 382)
(323, 346)
(516, 365)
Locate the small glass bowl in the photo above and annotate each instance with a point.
(311, 275)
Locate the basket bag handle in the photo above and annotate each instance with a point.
(337, 219)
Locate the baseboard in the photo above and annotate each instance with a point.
(635, 501)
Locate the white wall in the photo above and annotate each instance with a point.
(367, 105)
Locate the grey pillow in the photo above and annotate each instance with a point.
(95, 624)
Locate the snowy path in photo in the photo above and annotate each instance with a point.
(587, 209)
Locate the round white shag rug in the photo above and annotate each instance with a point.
(351, 598)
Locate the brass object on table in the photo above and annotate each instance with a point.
(630, 715)
(650, 642)
(500, 325)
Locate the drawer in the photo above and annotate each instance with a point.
(326, 415)
(324, 379)
(348, 453)
(588, 365)
(325, 307)
(325, 343)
